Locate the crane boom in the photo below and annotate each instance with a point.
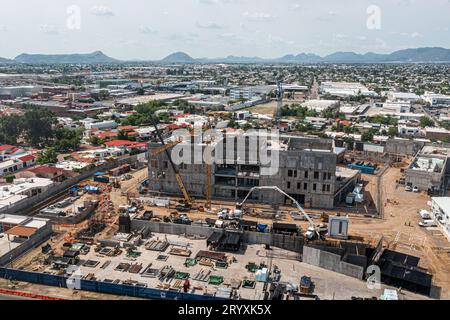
(275, 188)
(186, 196)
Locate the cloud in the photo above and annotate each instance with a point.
(327, 16)
(147, 30)
(414, 34)
(279, 40)
(3, 28)
(209, 25)
(102, 11)
(213, 2)
(182, 37)
(258, 16)
(341, 36)
(48, 29)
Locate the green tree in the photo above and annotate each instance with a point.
(392, 132)
(367, 136)
(38, 126)
(426, 122)
(49, 155)
(11, 127)
(67, 139)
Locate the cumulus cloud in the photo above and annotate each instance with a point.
(102, 11)
(258, 16)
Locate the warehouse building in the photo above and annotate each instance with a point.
(427, 171)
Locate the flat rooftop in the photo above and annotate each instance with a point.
(155, 97)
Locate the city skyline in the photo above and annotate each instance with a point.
(243, 28)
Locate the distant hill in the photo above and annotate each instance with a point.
(178, 57)
(401, 56)
(77, 58)
(4, 60)
(424, 55)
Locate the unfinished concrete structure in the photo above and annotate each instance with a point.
(428, 169)
(306, 170)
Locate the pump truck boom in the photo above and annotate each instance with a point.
(312, 231)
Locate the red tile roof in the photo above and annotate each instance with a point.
(27, 158)
(6, 147)
(125, 143)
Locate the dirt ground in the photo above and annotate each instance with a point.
(401, 231)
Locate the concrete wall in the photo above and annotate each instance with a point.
(403, 147)
(39, 237)
(291, 243)
(331, 261)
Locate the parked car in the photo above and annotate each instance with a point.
(425, 215)
(416, 189)
(408, 188)
(427, 223)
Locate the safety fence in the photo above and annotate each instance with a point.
(100, 287)
(27, 295)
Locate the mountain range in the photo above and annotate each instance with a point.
(417, 55)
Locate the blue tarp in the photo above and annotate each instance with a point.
(91, 188)
(99, 174)
(262, 227)
(73, 189)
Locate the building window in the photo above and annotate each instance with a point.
(314, 187)
(324, 176)
(298, 185)
(328, 187)
(288, 185)
(290, 173)
(295, 173)
(316, 175)
(305, 186)
(323, 188)
(306, 174)
(329, 175)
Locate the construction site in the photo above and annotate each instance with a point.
(169, 231)
(135, 243)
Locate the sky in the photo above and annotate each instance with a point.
(152, 29)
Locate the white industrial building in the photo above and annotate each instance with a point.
(321, 105)
(242, 93)
(20, 91)
(436, 100)
(346, 89)
(111, 124)
(403, 96)
(440, 211)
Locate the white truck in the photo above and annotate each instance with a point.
(427, 223)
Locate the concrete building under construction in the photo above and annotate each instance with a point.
(305, 169)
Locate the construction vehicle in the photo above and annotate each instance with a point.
(187, 204)
(312, 230)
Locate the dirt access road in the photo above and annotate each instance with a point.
(401, 230)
